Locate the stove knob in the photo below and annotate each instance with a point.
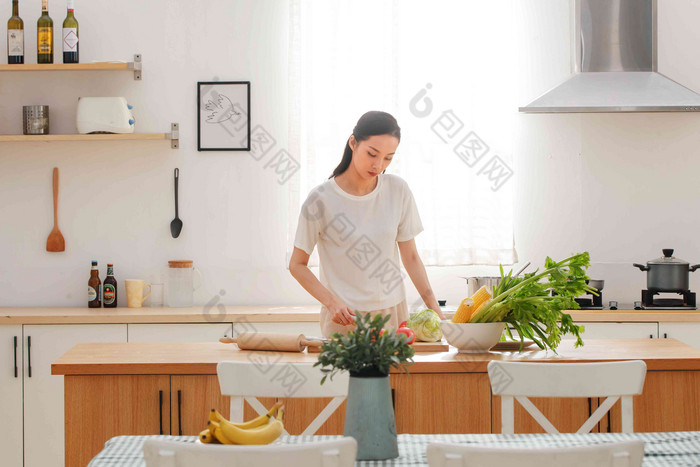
(613, 305)
(638, 306)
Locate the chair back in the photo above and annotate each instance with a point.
(613, 380)
(249, 380)
(167, 453)
(622, 454)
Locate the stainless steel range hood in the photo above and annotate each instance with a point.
(615, 69)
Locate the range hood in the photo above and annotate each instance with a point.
(615, 69)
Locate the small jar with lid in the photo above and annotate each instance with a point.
(181, 283)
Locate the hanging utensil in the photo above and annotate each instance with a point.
(55, 242)
(176, 224)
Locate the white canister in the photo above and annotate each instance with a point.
(181, 283)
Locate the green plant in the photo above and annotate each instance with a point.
(366, 351)
(528, 306)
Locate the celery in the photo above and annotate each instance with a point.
(526, 303)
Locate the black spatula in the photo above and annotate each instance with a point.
(176, 224)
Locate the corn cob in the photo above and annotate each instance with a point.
(480, 298)
(464, 311)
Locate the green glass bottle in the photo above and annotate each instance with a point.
(15, 36)
(70, 36)
(44, 35)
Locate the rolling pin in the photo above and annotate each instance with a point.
(271, 341)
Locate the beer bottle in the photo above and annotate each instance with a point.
(94, 295)
(109, 288)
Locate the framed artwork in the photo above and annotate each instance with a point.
(223, 116)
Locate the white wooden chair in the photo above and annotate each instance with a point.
(622, 454)
(249, 380)
(167, 453)
(519, 380)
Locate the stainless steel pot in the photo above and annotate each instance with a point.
(668, 273)
(475, 283)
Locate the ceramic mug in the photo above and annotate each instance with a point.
(134, 292)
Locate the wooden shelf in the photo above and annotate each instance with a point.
(135, 66)
(95, 137)
(97, 66)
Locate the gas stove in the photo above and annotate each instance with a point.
(650, 301)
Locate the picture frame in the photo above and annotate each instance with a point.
(223, 116)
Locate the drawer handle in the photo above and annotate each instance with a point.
(160, 408)
(179, 424)
(16, 373)
(29, 355)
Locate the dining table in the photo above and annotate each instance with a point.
(680, 448)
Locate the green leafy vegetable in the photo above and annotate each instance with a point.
(426, 325)
(527, 304)
(368, 350)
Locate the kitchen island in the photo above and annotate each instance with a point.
(169, 388)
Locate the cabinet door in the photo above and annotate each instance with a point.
(185, 332)
(618, 331)
(688, 333)
(192, 398)
(43, 392)
(11, 395)
(442, 403)
(99, 407)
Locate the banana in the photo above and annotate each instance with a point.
(264, 434)
(215, 430)
(205, 436)
(215, 416)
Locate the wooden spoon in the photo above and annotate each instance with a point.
(55, 242)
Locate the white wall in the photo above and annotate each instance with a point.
(619, 186)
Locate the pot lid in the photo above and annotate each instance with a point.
(668, 258)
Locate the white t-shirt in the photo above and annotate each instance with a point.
(356, 237)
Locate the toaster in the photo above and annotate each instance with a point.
(104, 115)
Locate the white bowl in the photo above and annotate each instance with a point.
(472, 337)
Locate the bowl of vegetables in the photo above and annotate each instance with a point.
(533, 305)
(472, 337)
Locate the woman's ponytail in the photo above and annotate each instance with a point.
(372, 123)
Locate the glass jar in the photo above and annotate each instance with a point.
(181, 283)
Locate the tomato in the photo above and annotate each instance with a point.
(403, 324)
(410, 335)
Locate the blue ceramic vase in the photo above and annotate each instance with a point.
(369, 417)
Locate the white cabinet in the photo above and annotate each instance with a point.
(618, 331)
(688, 333)
(43, 392)
(189, 332)
(11, 395)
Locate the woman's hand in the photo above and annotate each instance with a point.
(340, 312)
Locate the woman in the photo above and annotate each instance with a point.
(357, 218)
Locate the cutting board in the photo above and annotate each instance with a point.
(440, 346)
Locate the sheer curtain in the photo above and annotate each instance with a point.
(446, 71)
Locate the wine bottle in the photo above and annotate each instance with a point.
(15, 36)
(70, 36)
(44, 35)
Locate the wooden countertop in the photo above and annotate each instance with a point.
(201, 358)
(263, 313)
(195, 314)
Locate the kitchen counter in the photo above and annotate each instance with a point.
(169, 388)
(195, 314)
(201, 358)
(262, 313)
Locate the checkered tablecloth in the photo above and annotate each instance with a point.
(681, 448)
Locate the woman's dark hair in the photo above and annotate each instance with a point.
(372, 123)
